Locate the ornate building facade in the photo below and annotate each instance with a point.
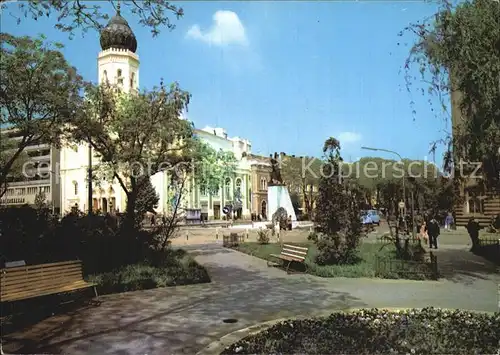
(118, 63)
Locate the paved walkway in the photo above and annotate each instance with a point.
(180, 320)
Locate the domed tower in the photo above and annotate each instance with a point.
(117, 62)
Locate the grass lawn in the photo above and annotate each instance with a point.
(176, 268)
(365, 268)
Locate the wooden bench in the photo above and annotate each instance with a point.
(290, 253)
(24, 282)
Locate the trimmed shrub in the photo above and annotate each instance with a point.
(419, 332)
(263, 236)
(171, 268)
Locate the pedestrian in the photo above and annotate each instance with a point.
(423, 232)
(448, 221)
(289, 223)
(433, 232)
(277, 230)
(473, 228)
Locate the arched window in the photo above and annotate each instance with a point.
(119, 76)
(75, 186)
(227, 190)
(105, 76)
(238, 188)
(263, 184)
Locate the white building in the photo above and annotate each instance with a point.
(38, 175)
(118, 63)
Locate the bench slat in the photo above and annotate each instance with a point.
(40, 266)
(291, 251)
(41, 285)
(37, 293)
(295, 247)
(298, 257)
(40, 270)
(40, 282)
(37, 277)
(18, 276)
(289, 258)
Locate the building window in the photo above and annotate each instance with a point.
(132, 80)
(263, 184)
(105, 76)
(227, 190)
(475, 205)
(474, 202)
(238, 187)
(203, 190)
(75, 186)
(119, 76)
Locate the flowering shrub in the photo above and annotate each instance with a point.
(374, 331)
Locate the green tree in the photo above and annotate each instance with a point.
(136, 135)
(39, 93)
(458, 53)
(300, 174)
(147, 197)
(211, 167)
(72, 15)
(338, 213)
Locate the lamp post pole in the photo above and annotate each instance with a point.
(90, 180)
(403, 182)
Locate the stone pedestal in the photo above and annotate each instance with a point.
(278, 196)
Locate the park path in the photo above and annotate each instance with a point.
(178, 320)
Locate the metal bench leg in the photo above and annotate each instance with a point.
(97, 301)
(288, 267)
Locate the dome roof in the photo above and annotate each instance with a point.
(118, 34)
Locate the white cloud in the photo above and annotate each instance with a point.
(349, 137)
(226, 29)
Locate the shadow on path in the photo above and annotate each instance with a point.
(182, 319)
(462, 266)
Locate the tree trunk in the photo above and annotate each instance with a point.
(130, 223)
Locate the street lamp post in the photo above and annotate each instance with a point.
(90, 197)
(404, 177)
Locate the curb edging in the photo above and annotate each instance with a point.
(218, 346)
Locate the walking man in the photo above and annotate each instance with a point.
(473, 228)
(433, 231)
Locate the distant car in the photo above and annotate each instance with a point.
(370, 217)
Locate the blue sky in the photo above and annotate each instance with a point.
(285, 75)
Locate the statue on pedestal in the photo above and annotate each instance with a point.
(275, 172)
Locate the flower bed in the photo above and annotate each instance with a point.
(426, 331)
